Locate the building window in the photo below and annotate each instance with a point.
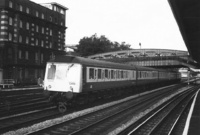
(32, 29)
(61, 35)
(37, 28)
(42, 43)
(47, 29)
(4, 27)
(50, 45)
(4, 22)
(4, 33)
(47, 45)
(10, 21)
(10, 4)
(62, 11)
(27, 40)
(42, 57)
(10, 53)
(26, 55)
(4, 16)
(56, 20)
(27, 10)
(20, 38)
(10, 36)
(42, 16)
(20, 8)
(37, 14)
(36, 57)
(27, 26)
(50, 32)
(50, 18)
(20, 54)
(20, 24)
(36, 42)
(42, 30)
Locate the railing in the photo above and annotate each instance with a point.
(7, 82)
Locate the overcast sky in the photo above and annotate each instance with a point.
(149, 22)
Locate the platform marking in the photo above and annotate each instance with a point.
(185, 132)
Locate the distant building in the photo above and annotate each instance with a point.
(70, 48)
(30, 34)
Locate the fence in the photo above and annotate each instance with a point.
(7, 82)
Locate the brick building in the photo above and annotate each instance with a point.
(30, 34)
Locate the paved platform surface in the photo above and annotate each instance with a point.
(194, 124)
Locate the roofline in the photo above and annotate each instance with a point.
(60, 5)
(99, 63)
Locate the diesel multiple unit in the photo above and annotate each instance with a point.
(67, 77)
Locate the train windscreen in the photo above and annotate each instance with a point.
(51, 72)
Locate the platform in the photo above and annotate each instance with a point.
(193, 123)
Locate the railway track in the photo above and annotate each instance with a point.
(12, 122)
(18, 96)
(103, 119)
(168, 120)
(13, 101)
(22, 107)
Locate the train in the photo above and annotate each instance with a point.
(69, 79)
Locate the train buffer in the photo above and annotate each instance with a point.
(7, 83)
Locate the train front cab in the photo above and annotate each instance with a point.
(63, 79)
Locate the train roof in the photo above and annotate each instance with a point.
(99, 63)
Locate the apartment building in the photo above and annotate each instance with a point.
(30, 35)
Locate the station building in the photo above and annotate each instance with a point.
(30, 35)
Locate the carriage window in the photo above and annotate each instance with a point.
(51, 72)
(139, 74)
(119, 74)
(102, 75)
(106, 74)
(99, 73)
(116, 74)
(91, 73)
(122, 74)
(95, 73)
(112, 74)
(126, 74)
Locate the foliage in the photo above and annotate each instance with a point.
(95, 45)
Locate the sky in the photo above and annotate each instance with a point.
(149, 22)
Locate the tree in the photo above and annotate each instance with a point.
(95, 45)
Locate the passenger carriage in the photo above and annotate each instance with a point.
(67, 76)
